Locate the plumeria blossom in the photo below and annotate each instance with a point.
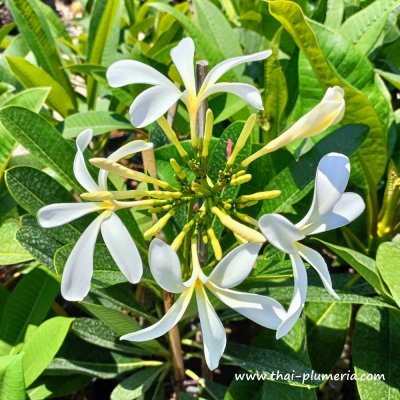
(78, 271)
(329, 111)
(331, 208)
(229, 272)
(155, 101)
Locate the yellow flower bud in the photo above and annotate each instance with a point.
(259, 196)
(214, 244)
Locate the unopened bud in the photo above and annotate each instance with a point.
(159, 225)
(180, 173)
(259, 196)
(214, 244)
(240, 180)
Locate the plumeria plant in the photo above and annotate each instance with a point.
(198, 208)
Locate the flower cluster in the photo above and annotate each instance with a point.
(331, 206)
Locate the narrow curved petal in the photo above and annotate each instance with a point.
(263, 310)
(183, 57)
(167, 322)
(298, 299)
(346, 210)
(152, 104)
(325, 114)
(331, 179)
(130, 148)
(62, 213)
(246, 92)
(81, 172)
(235, 267)
(318, 263)
(128, 72)
(280, 232)
(122, 248)
(214, 337)
(78, 271)
(226, 65)
(165, 266)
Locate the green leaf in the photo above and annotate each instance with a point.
(31, 77)
(37, 34)
(105, 270)
(28, 304)
(359, 106)
(376, 351)
(41, 139)
(100, 121)
(10, 251)
(278, 391)
(364, 28)
(334, 13)
(40, 348)
(327, 326)
(11, 378)
(136, 385)
(394, 79)
(364, 265)
(103, 38)
(265, 361)
(297, 179)
(388, 261)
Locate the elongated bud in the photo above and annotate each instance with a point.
(159, 225)
(208, 129)
(246, 218)
(239, 173)
(240, 239)
(247, 204)
(156, 210)
(244, 231)
(214, 244)
(171, 135)
(271, 194)
(138, 203)
(240, 180)
(124, 172)
(180, 173)
(179, 239)
(97, 196)
(244, 135)
(325, 114)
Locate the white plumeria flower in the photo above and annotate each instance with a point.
(78, 271)
(331, 208)
(154, 102)
(229, 272)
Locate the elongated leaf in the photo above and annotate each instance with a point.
(40, 348)
(334, 13)
(365, 27)
(35, 134)
(388, 261)
(28, 304)
(136, 385)
(10, 251)
(11, 378)
(31, 76)
(296, 180)
(394, 79)
(100, 121)
(264, 361)
(327, 326)
(37, 34)
(358, 106)
(376, 351)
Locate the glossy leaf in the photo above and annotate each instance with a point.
(12, 378)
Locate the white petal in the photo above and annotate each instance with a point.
(128, 72)
(183, 58)
(263, 310)
(152, 104)
(298, 299)
(325, 114)
(235, 267)
(165, 266)
(81, 172)
(168, 321)
(226, 65)
(62, 213)
(280, 232)
(122, 248)
(346, 210)
(318, 263)
(214, 337)
(331, 180)
(130, 148)
(246, 92)
(78, 271)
